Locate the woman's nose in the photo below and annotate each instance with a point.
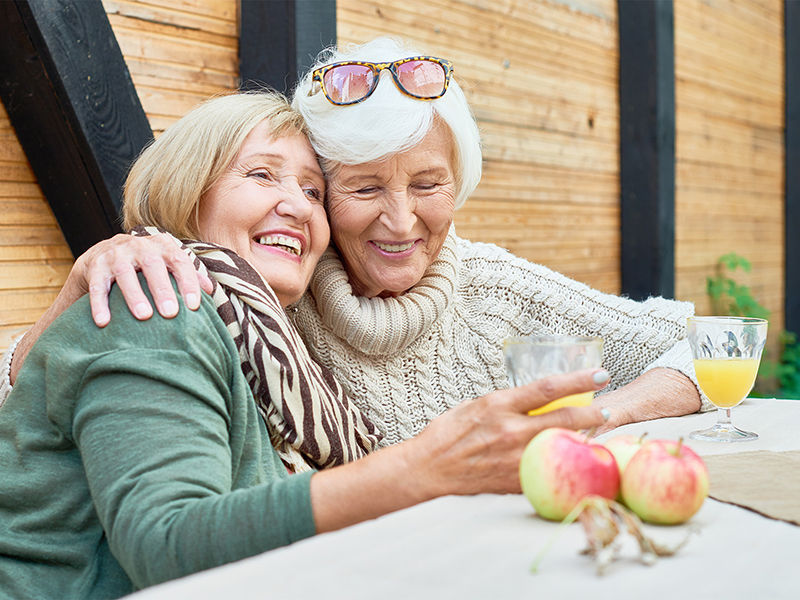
(399, 213)
(294, 202)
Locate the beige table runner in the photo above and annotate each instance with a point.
(763, 481)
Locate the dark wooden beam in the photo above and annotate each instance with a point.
(71, 101)
(791, 38)
(647, 147)
(279, 40)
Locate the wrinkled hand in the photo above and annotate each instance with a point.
(658, 393)
(476, 447)
(119, 258)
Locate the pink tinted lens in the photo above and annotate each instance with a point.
(422, 78)
(348, 83)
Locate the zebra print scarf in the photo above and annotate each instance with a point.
(310, 420)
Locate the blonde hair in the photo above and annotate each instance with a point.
(388, 122)
(168, 180)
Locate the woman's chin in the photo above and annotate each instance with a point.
(392, 288)
(287, 295)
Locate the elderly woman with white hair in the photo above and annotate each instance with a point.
(420, 311)
(409, 317)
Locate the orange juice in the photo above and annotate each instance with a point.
(582, 399)
(726, 381)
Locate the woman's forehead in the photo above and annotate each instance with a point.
(263, 139)
(435, 151)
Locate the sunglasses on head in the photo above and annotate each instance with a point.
(351, 82)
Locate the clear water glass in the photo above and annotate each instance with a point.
(533, 357)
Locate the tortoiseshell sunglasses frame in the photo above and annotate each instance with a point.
(318, 77)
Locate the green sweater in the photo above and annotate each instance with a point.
(134, 454)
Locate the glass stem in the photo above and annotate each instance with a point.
(724, 417)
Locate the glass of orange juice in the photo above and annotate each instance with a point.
(726, 352)
(532, 357)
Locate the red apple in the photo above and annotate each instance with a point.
(559, 467)
(665, 482)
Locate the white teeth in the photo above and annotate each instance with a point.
(394, 247)
(288, 243)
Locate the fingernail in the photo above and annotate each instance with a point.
(169, 307)
(192, 301)
(606, 414)
(141, 310)
(601, 377)
(103, 318)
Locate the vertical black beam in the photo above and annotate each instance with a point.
(72, 103)
(647, 147)
(791, 20)
(279, 40)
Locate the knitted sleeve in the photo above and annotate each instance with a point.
(524, 298)
(679, 357)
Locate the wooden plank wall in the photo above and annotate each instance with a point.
(541, 76)
(34, 258)
(179, 52)
(729, 146)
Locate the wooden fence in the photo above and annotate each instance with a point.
(542, 78)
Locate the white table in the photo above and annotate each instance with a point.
(482, 546)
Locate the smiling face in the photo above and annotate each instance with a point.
(390, 218)
(267, 207)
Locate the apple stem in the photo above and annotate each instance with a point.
(678, 447)
(590, 434)
(641, 439)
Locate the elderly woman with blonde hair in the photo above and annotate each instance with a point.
(140, 452)
(409, 317)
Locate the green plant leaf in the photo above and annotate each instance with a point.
(714, 287)
(775, 377)
(733, 260)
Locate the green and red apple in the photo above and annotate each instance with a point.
(665, 482)
(559, 467)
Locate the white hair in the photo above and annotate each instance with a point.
(388, 121)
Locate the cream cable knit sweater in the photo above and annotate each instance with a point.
(406, 360)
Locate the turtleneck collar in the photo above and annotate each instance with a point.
(379, 326)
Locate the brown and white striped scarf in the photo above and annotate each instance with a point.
(310, 420)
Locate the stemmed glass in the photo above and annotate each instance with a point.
(726, 351)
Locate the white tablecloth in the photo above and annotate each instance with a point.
(777, 423)
(482, 547)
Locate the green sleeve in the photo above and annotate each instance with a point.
(178, 464)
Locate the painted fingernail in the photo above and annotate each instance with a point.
(169, 307)
(141, 310)
(601, 377)
(192, 301)
(606, 414)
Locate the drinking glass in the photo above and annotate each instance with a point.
(726, 351)
(533, 357)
